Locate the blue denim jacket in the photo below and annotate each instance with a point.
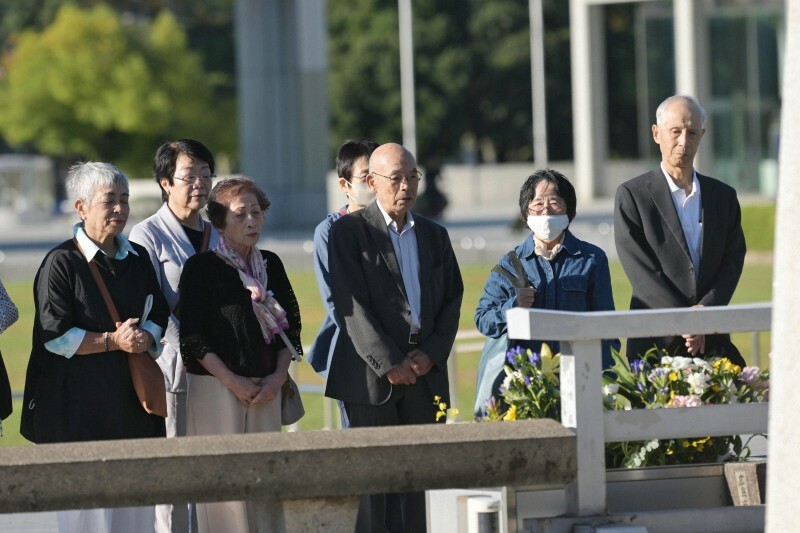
(577, 280)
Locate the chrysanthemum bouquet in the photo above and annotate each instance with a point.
(531, 390)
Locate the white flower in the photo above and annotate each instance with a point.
(702, 364)
(698, 383)
(666, 360)
(511, 377)
(611, 388)
(680, 363)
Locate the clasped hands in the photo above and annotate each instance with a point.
(695, 344)
(129, 337)
(416, 364)
(263, 391)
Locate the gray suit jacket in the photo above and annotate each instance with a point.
(654, 254)
(371, 303)
(168, 246)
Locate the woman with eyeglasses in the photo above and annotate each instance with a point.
(558, 272)
(184, 170)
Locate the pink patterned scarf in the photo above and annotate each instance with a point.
(253, 273)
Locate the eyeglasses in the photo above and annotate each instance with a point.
(191, 180)
(541, 205)
(396, 180)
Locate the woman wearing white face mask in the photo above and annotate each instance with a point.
(561, 272)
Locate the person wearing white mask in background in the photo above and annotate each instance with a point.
(563, 272)
(352, 167)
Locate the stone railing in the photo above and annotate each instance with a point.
(307, 481)
(581, 408)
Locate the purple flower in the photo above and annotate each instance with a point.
(749, 374)
(511, 355)
(640, 386)
(535, 358)
(527, 381)
(637, 366)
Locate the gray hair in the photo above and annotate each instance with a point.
(662, 108)
(85, 179)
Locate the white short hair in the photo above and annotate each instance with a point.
(85, 179)
(662, 108)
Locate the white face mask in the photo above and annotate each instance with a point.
(360, 193)
(548, 227)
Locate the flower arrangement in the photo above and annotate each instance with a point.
(531, 390)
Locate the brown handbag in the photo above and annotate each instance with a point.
(148, 381)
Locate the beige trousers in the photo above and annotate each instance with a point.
(212, 409)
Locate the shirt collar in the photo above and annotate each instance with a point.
(569, 243)
(90, 249)
(673, 188)
(392, 224)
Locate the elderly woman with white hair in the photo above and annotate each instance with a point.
(97, 302)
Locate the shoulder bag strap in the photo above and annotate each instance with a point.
(112, 309)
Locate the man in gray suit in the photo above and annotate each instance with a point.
(397, 291)
(678, 233)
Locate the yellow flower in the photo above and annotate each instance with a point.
(673, 376)
(511, 414)
(437, 399)
(440, 414)
(550, 363)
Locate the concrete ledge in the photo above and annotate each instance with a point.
(286, 466)
(727, 519)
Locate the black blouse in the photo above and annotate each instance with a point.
(217, 316)
(87, 397)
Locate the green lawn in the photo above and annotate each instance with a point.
(755, 286)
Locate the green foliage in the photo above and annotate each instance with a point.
(90, 85)
(758, 223)
(472, 75)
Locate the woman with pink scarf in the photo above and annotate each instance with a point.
(235, 301)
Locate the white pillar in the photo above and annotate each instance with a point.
(408, 105)
(538, 95)
(692, 66)
(590, 138)
(686, 27)
(283, 111)
(783, 474)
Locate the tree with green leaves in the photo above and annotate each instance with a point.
(472, 76)
(91, 85)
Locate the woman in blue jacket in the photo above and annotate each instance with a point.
(563, 272)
